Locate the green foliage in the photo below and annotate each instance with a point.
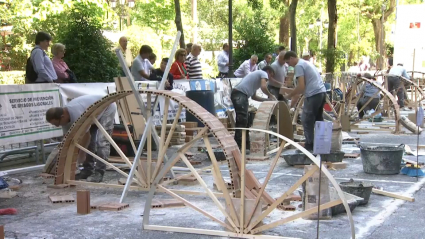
(156, 14)
(88, 52)
(253, 34)
(12, 77)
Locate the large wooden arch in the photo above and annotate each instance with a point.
(244, 182)
(259, 142)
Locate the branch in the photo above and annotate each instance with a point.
(390, 10)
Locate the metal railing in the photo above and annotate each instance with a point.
(25, 150)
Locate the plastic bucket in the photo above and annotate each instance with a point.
(204, 98)
(381, 159)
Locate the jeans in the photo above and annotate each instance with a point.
(99, 144)
(394, 84)
(240, 103)
(372, 105)
(312, 112)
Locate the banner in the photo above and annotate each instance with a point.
(22, 112)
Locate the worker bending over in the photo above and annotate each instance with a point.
(368, 93)
(66, 116)
(311, 85)
(245, 89)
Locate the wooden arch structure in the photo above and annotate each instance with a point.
(245, 188)
(260, 144)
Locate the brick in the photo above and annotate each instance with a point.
(113, 206)
(61, 199)
(83, 202)
(167, 203)
(46, 175)
(58, 186)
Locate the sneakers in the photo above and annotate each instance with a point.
(97, 177)
(84, 174)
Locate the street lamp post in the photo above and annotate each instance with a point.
(113, 4)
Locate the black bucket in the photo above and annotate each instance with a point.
(381, 159)
(204, 98)
(360, 189)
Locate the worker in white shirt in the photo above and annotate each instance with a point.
(223, 61)
(247, 67)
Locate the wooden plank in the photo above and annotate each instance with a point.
(394, 195)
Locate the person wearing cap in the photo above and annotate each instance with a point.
(367, 92)
(306, 56)
(394, 82)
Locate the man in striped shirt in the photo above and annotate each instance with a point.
(193, 65)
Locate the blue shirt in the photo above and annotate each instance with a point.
(399, 71)
(43, 66)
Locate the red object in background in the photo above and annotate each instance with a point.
(327, 107)
(417, 25)
(8, 211)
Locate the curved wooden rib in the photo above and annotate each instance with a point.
(248, 228)
(259, 142)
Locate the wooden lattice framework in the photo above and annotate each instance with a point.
(244, 184)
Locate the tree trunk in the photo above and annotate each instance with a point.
(333, 19)
(292, 16)
(178, 21)
(195, 20)
(284, 29)
(377, 30)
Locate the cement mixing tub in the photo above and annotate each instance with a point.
(360, 189)
(296, 157)
(381, 159)
(352, 200)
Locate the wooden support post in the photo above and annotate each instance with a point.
(243, 157)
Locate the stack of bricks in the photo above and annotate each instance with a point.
(259, 140)
(191, 129)
(179, 133)
(225, 122)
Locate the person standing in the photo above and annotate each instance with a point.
(311, 85)
(247, 67)
(41, 63)
(280, 71)
(194, 67)
(65, 75)
(278, 50)
(265, 62)
(223, 61)
(141, 65)
(243, 91)
(394, 83)
(93, 170)
(189, 48)
(128, 56)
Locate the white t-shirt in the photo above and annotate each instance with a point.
(140, 64)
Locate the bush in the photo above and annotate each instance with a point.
(255, 32)
(12, 77)
(88, 53)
